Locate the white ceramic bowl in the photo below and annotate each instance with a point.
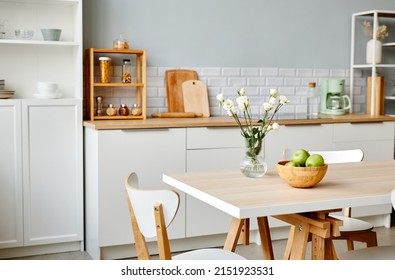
(51, 34)
(47, 88)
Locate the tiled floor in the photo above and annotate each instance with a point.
(253, 251)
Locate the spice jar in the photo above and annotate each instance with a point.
(136, 110)
(126, 71)
(124, 110)
(111, 110)
(105, 69)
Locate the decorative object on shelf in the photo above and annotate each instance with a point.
(124, 110)
(253, 132)
(24, 34)
(121, 43)
(136, 110)
(378, 96)
(126, 71)
(51, 34)
(99, 110)
(105, 69)
(3, 28)
(374, 45)
(111, 110)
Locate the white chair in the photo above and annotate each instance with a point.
(372, 253)
(151, 212)
(352, 229)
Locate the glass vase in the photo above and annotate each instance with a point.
(253, 165)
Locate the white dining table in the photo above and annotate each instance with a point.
(305, 209)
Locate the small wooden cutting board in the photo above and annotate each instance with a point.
(196, 97)
(174, 79)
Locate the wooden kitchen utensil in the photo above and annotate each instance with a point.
(378, 96)
(174, 80)
(196, 97)
(176, 115)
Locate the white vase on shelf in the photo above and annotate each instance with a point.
(373, 45)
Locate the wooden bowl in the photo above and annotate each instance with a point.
(301, 177)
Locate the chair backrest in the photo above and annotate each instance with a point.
(339, 156)
(151, 212)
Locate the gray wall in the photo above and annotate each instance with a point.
(229, 33)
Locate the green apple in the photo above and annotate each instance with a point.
(300, 156)
(292, 164)
(315, 160)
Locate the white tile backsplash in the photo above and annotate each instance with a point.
(291, 82)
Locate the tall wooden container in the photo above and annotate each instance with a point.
(378, 96)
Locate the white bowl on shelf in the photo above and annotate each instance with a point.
(47, 88)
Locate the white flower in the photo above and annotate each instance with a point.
(284, 100)
(273, 92)
(275, 126)
(228, 105)
(267, 106)
(272, 100)
(220, 97)
(242, 100)
(242, 92)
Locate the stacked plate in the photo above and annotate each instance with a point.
(3, 92)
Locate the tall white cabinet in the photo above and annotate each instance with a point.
(41, 163)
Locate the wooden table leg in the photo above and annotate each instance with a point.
(233, 234)
(266, 240)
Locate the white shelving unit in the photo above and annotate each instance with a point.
(373, 15)
(42, 141)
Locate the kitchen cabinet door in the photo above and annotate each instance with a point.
(11, 216)
(110, 155)
(210, 149)
(52, 171)
(309, 137)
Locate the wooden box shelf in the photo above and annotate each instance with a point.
(136, 90)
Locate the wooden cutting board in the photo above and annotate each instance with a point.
(378, 94)
(176, 115)
(174, 80)
(196, 97)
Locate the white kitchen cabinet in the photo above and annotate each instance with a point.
(210, 149)
(309, 137)
(45, 181)
(110, 155)
(11, 205)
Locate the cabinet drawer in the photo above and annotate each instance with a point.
(363, 131)
(209, 138)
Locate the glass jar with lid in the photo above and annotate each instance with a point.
(124, 110)
(126, 71)
(105, 69)
(120, 43)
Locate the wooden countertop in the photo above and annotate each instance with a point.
(224, 122)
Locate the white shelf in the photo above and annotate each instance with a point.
(373, 15)
(370, 65)
(55, 2)
(38, 42)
